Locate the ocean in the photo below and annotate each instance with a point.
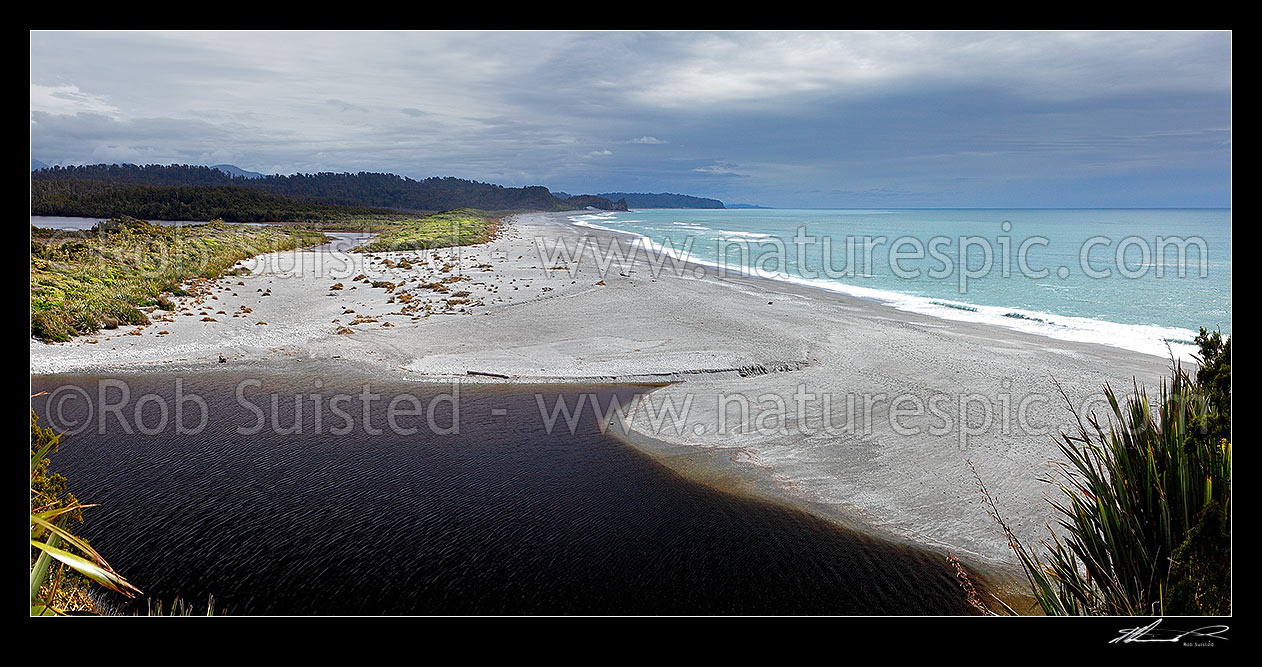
(1140, 279)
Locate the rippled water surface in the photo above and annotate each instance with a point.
(502, 517)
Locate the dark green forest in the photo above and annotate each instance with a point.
(103, 199)
(363, 189)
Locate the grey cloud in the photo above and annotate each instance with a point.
(773, 118)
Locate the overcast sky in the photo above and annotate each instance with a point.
(781, 119)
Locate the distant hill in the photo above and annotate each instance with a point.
(662, 200)
(746, 206)
(363, 189)
(36, 165)
(236, 171)
(583, 201)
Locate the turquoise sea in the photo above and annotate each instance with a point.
(1141, 279)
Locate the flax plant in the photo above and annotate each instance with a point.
(1145, 503)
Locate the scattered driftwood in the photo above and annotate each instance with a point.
(490, 375)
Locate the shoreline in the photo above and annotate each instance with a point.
(1072, 328)
(1181, 351)
(697, 335)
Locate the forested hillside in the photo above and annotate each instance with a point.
(103, 199)
(345, 189)
(662, 200)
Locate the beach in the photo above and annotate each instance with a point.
(763, 373)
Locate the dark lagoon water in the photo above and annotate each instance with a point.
(503, 517)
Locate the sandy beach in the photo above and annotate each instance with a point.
(928, 395)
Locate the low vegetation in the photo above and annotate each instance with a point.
(1145, 502)
(440, 230)
(110, 275)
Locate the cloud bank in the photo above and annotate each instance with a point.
(783, 119)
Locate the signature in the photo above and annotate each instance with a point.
(1151, 633)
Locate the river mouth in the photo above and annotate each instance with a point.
(435, 499)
